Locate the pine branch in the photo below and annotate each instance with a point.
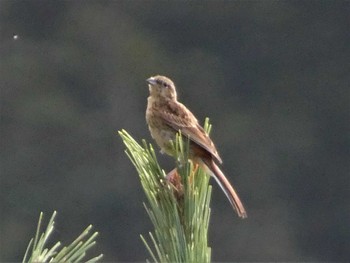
(178, 204)
(75, 252)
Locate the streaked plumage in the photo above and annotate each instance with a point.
(166, 116)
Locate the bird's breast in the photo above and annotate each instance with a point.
(163, 137)
(160, 131)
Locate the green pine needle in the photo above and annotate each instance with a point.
(75, 252)
(180, 216)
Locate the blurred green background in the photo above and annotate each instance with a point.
(273, 76)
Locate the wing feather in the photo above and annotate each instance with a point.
(178, 117)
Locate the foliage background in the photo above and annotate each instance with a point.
(273, 76)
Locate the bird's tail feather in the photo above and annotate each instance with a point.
(227, 188)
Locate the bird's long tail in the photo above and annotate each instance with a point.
(226, 186)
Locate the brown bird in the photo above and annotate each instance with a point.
(166, 116)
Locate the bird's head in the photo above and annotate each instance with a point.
(162, 87)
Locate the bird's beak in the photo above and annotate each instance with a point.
(151, 81)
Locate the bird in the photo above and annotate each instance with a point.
(166, 116)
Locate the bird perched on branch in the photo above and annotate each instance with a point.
(166, 116)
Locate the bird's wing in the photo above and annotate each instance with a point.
(178, 117)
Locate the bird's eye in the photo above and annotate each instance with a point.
(165, 85)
